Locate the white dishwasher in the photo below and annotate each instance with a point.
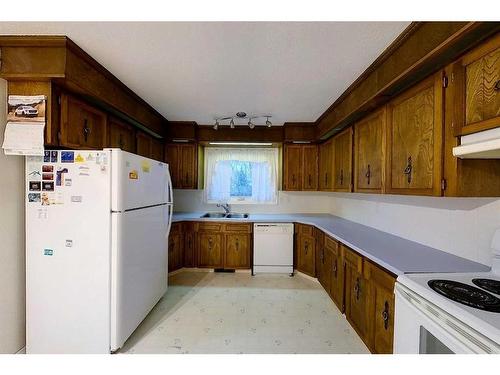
(273, 248)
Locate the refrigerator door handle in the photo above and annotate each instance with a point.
(170, 203)
(170, 188)
(170, 215)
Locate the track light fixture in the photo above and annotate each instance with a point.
(243, 115)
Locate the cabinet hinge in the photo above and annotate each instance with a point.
(443, 184)
(59, 99)
(445, 81)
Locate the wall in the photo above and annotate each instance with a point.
(461, 226)
(12, 296)
(288, 202)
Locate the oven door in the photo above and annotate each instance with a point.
(422, 328)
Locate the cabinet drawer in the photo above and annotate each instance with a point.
(210, 227)
(354, 259)
(238, 228)
(305, 229)
(331, 244)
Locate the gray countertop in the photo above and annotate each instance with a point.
(394, 253)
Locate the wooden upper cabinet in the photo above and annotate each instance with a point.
(156, 152)
(183, 164)
(342, 149)
(82, 126)
(477, 79)
(292, 171)
(369, 143)
(309, 167)
(414, 140)
(144, 144)
(121, 135)
(326, 166)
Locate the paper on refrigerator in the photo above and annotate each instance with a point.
(24, 132)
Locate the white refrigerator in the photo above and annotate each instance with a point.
(97, 225)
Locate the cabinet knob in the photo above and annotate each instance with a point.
(357, 288)
(385, 315)
(368, 174)
(86, 130)
(408, 169)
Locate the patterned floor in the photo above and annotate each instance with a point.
(206, 312)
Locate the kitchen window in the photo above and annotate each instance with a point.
(241, 175)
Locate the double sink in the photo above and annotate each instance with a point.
(221, 215)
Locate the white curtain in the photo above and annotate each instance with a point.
(264, 173)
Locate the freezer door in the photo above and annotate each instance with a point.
(68, 255)
(137, 181)
(139, 268)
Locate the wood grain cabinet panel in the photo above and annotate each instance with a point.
(210, 246)
(237, 251)
(292, 167)
(342, 149)
(189, 245)
(309, 167)
(326, 174)
(337, 283)
(143, 142)
(369, 143)
(156, 152)
(175, 248)
(306, 253)
(82, 126)
(414, 140)
(183, 164)
(478, 74)
(358, 304)
(121, 135)
(382, 287)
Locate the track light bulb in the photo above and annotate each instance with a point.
(231, 124)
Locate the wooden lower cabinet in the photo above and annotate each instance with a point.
(382, 290)
(237, 251)
(190, 259)
(357, 296)
(306, 257)
(334, 255)
(175, 248)
(210, 252)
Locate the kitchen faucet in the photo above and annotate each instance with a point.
(225, 207)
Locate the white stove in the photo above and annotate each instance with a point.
(449, 312)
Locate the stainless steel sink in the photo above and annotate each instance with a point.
(217, 215)
(237, 216)
(221, 215)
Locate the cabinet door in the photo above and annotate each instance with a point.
(156, 149)
(121, 135)
(188, 166)
(342, 148)
(237, 251)
(478, 74)
(144, 142)
(319, 252)
(309, 167)
(292, 167)
(306, 256)
(189, 247)
(337, 278)
(172, 159)
(326, 166)
(174, 251)
(382, 283)
(369, 142)
(357, 298)
(82, 126)
(210, 250)
(414, 140)
(326, 269)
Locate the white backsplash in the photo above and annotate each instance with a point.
(461, 226)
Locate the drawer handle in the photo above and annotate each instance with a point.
(497, 86)
(86, 130)
(306, 247)
(310, 183)
(385, 315)
(341, 177)
(237, 245)
(408, 169)
(210, 243)
(357, 289)
(335, 268)
(368, 174)
(293, 180)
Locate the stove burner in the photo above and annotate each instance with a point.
(490, 285)
(466, 294)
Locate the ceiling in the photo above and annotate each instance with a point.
(196, 71)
